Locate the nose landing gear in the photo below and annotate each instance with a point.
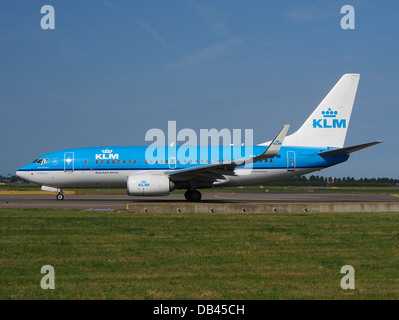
(60, 196)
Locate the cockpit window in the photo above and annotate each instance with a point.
(41, 161)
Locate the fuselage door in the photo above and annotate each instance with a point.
(69, 161)
(291, 162)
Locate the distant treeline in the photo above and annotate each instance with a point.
(11, 179)
(315, 181)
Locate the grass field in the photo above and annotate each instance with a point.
(125, 255)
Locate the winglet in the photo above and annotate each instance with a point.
(274, 148)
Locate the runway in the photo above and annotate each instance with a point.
(120, 202)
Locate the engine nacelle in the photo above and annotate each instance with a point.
(149, 185)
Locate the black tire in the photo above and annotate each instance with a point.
(60, 196)
(196, 196)
(188, 195)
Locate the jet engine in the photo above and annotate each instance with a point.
(149, 185)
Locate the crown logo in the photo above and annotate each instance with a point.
(329, 113)
(144, 183)
(106, 151)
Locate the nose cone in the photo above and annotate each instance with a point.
(23, 174)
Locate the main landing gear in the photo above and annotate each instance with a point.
(60, 196)
(192, 195)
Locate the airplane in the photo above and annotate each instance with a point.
(317, 144)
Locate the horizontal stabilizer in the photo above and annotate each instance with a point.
(341, 151)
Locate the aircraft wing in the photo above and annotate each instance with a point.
(213, 172)
(341, 151)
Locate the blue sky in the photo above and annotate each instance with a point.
(111, 70)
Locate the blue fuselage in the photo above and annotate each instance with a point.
(110, 166)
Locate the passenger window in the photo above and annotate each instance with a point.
(271, 160)
(113, 161)
(135, 161)
(86, 161)
(119, 161)
(107, 161)
(96, 161)
(124, 161)
(102, 161)
(130, 161)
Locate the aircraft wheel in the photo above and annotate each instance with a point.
(196, 196)
(188, 195)
(60, 196)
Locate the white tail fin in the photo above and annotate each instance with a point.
(327, 125)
